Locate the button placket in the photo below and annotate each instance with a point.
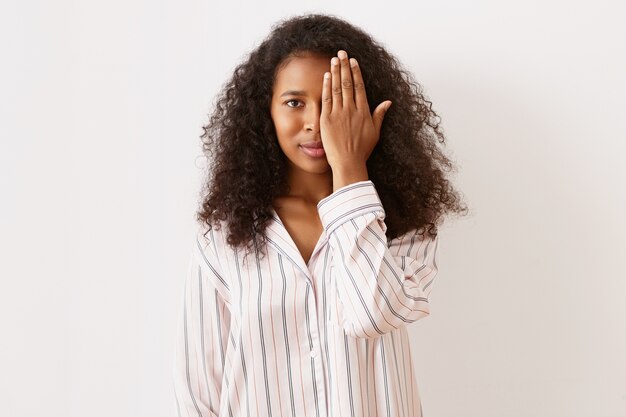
(315, 349)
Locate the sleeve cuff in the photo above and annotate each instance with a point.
(348, 202)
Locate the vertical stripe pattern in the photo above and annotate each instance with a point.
(279, 336)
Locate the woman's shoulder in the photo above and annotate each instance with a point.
(210, 236)
(209, 252)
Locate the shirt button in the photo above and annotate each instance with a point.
(313, 354)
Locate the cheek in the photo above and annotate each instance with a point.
(286, 123)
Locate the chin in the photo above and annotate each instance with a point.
(320, 166)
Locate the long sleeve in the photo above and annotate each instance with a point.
(202, 335)
(381, 285)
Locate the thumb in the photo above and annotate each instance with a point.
(379, 114)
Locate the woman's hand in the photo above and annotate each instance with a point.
(349, 132)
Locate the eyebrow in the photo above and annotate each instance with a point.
(293, 93)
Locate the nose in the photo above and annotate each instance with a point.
(312, 119)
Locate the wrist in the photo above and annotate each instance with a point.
(349, 175)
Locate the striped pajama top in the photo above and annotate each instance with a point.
(275, 336)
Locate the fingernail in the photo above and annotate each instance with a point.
(352, 62)
(334, 61)
(342, 54)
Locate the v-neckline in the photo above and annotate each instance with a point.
(315, 248)
(292, 242)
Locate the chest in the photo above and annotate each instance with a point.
(304, 226)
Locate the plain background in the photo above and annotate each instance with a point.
(102, 105)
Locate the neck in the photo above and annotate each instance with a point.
(309, 187)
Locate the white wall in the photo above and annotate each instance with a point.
(101, 109)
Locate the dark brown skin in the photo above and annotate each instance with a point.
(349, 131)
(296, 119)
(302, 222)
(332, 109)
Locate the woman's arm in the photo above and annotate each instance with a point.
(202, 335)
(380, 287)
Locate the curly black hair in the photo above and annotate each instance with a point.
(249, 170)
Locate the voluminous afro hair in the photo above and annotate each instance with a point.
(248, 168)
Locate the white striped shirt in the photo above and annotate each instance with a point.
(279, 337)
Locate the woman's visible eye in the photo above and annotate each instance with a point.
(291, 101)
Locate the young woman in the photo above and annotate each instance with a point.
(318, 239)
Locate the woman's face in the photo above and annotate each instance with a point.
(295, 109)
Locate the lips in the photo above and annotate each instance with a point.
(312, 145)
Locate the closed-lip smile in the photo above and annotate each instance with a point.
(314, 144)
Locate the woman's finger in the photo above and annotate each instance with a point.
(327, 99)
(347, 89)
(360, 96)
(335, 83)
